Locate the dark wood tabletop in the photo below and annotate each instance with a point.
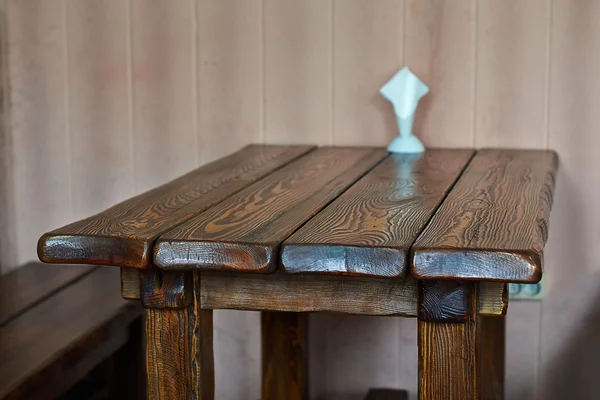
(446, 214)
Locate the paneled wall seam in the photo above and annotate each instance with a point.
(331, 71)
(548, 72)
(130, 103)
(474, 126)
(195, 65)
(262, 68)
(68, 132)
(538, 362)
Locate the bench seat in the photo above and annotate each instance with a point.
(57, 323)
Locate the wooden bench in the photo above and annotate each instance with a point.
(63, 332)
(287, 230)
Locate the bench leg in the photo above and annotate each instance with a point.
(179, 340)
(461, 355)
(284, 356)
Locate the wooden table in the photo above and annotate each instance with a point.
(288, 230)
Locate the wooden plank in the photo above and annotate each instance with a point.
(39, 142)
(229, 75)
(309, 293)
(448, 356)
(439, 48)
(53, 345)
(297, 74)
(99, 101)
(367, 51)
(179, 352)
(33, 283)
(369, 229)
(130, 228)
(567, 348)
(284, 356)
(244, 232)
(494, 223)
(512, 73)
(322, 293)
(163, 63)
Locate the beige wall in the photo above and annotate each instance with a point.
(109, 98)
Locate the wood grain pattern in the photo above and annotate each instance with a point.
(448, 356)
(369, 229)
(492, 355)
(439, 38)
(179, 352)
(57, 342)
(166, 289)
(297, 71)
(229, 75)
(130, 283)
(444, 301)
(367, 51)
(284, 356)
(33, 283)
(494, 223)
(130, 228)
(244, 232)
(309, 293)
(163, 116)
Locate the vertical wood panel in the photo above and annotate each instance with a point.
(367, 51)
(511, 75)
(570, 317)
(230, 79)
(439, 49)
(164, 109)
(40, 145)
(97, 33)
(512, 55)
(297, 71)
(8, 252)
(229, 76)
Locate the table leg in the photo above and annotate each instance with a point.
(179, 339)
(492, 357)
(284, 356)
(455, 343)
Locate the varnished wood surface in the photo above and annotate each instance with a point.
(323, 293)
(166, 289)
(369, 229)
(244, 232)
(33, 283)
(124, 234)
(54, 344)
(448, 355)
(494, 223)
(179, 353)
(284, 356)
(309, 293)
